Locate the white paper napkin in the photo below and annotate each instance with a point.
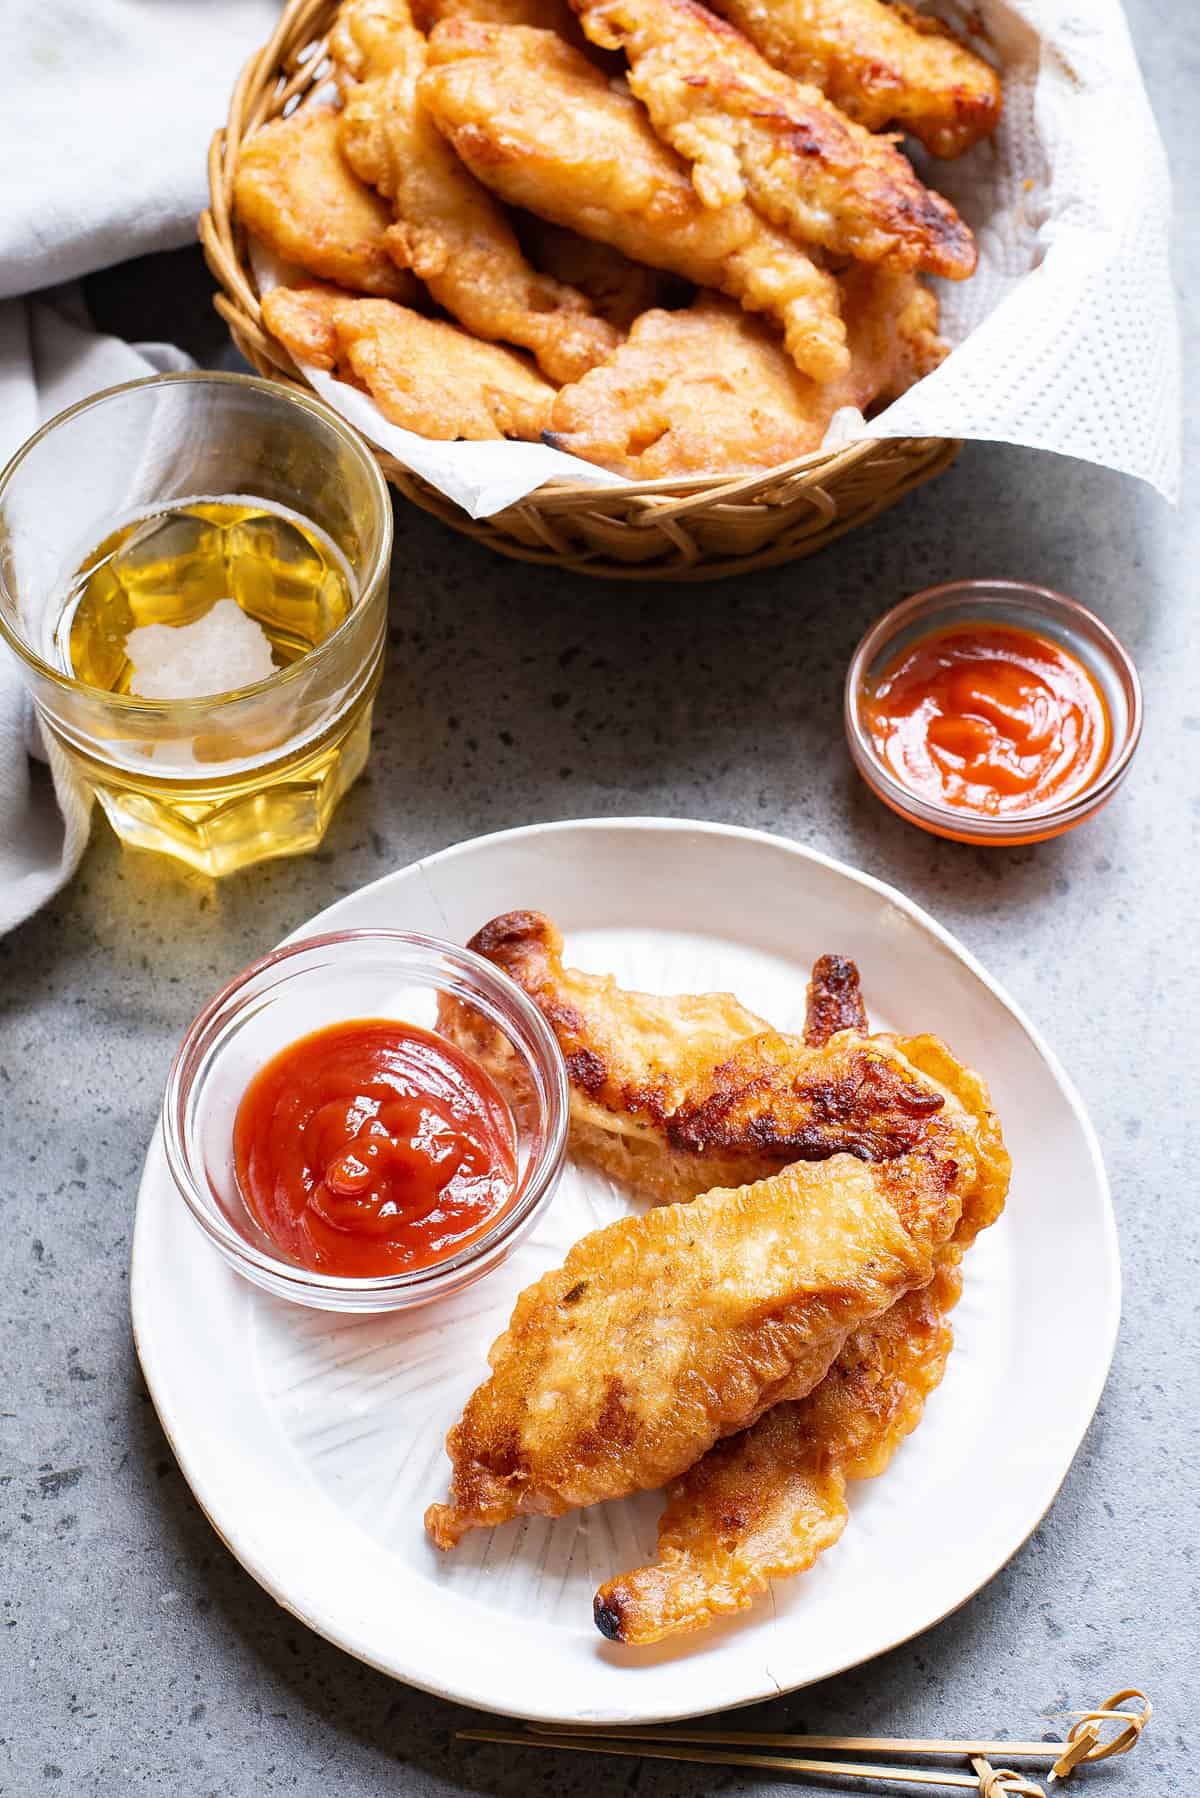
(1064, 339)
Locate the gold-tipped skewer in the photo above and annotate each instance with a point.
(1084, 1743)
(992, 1782)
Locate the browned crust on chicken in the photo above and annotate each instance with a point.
(547, 131)
(835, 1001)
(423, 373)
(627, 1053)
(765, 1504)
(751, 131)
(711, 386)
(662, 1333)
(882, 64)
(680, 1093)
(448, 228)
(297, 193)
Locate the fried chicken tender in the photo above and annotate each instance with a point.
(422, 373)
(662, 1333)
(892, 326)
(448, 229)
(541, 15)
(619, 290)
(689, 393)
(297, 193)
(712, 389)
(753, 133)
(766, 1503)
(881, 63)
(674, 1095)
(833, 1001)
(533, 118)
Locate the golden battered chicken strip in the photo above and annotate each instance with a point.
(630, 1057)
(448, 229)
(674, 1095)
(833, 1001)
(892, 325)
(422, 373)
(767, 1503)
(662, 1333)
(297, 193)
(752, 133)
(541, 15)
(618, 289)
(707, 390)
(532, 118)
(882, 64)
(711, 390)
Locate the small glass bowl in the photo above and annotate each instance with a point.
(1039, 609)
(327, 980)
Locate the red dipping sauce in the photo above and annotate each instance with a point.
(989, 718)
(374, 1147)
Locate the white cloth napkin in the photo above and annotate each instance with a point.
(108, 109)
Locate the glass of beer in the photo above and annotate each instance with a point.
(193, 577)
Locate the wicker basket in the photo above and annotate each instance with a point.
(695, 529)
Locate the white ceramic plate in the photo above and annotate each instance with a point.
(314, 1443)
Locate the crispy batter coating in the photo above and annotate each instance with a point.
(541, 15)
(296, 191)
(630, 1056)
(692, 392)
(422, 373)
(882, 64)
(619, 290)
(662, 1333)
(533, 118)
(834, 1001)
(711, 389)
(753, 133)
(765, 1504)
(892, 324)
(448, 229)
(302, 318)
(675, 1095)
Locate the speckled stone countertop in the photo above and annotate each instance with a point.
(135, 1655)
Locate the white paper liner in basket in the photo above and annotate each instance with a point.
(1065, 338)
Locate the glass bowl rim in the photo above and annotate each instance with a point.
(282, 1274)
(976, 826)
(275, 390)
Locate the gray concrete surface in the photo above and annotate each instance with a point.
(136, 1656)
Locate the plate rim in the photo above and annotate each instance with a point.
(343, 1638)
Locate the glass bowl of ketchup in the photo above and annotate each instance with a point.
(367, 1120)
(992, 711)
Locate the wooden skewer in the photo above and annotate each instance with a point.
(998, 1784)
(1083, 1742)
(840, 1744)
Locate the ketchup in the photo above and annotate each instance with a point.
(989, 718)
(373, 1147)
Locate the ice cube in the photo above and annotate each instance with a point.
(167, 565)
(213, 654)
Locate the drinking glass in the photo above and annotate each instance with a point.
(237, 777)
